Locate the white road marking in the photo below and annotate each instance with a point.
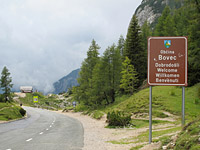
(8, 149)
(52, 123)
(50, 126)
(47, 129)
(41, 132)
(29, 140)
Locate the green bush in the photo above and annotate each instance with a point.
(47, 103)
(97, 114)
(22, 111)
(118, 118)
(197, 101)
(81, 108)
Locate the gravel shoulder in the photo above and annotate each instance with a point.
(96, 136)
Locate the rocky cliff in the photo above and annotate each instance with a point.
(151, 10)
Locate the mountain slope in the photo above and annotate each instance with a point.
(66, 82)
(151, 10)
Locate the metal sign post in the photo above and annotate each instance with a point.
(150, 114)
(183, 106)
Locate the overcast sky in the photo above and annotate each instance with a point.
(43, 40)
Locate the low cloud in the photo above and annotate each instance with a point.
(44, 40)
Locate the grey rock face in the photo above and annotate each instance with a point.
(151, 10)
(146, 14)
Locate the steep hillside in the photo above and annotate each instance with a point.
(151, 10)
(66, 82)
(165, 98)
(189, 138)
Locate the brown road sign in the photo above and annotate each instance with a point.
(167, 61)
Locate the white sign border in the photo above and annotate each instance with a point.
(186, 59)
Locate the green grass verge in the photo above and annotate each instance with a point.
(2, 105)
(9, 111)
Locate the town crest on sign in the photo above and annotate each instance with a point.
(167, 43)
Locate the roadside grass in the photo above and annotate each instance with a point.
(173, 102)
(2, 105)
(137, 147)
(165, 98)
(140, 123)
(144, 136)
(9, 111)
(189, 138)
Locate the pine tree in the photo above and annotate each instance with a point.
(120, 45)
(194, 43)
(146, 32)
(111, 61)
(165, 25)
(86, 73)
(134, 49)
(129, 76)
(181, 21)
(6, 84)
(97, 92)
(92, 56)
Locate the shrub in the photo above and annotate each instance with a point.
(47, 103)
(197, 101)
(118, 118)
(22, 111)
(97, 114)
(80, 108)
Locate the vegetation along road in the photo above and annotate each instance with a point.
(42, 130)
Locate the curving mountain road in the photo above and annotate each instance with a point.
(42, 130)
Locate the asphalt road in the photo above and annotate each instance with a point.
(42, 130)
